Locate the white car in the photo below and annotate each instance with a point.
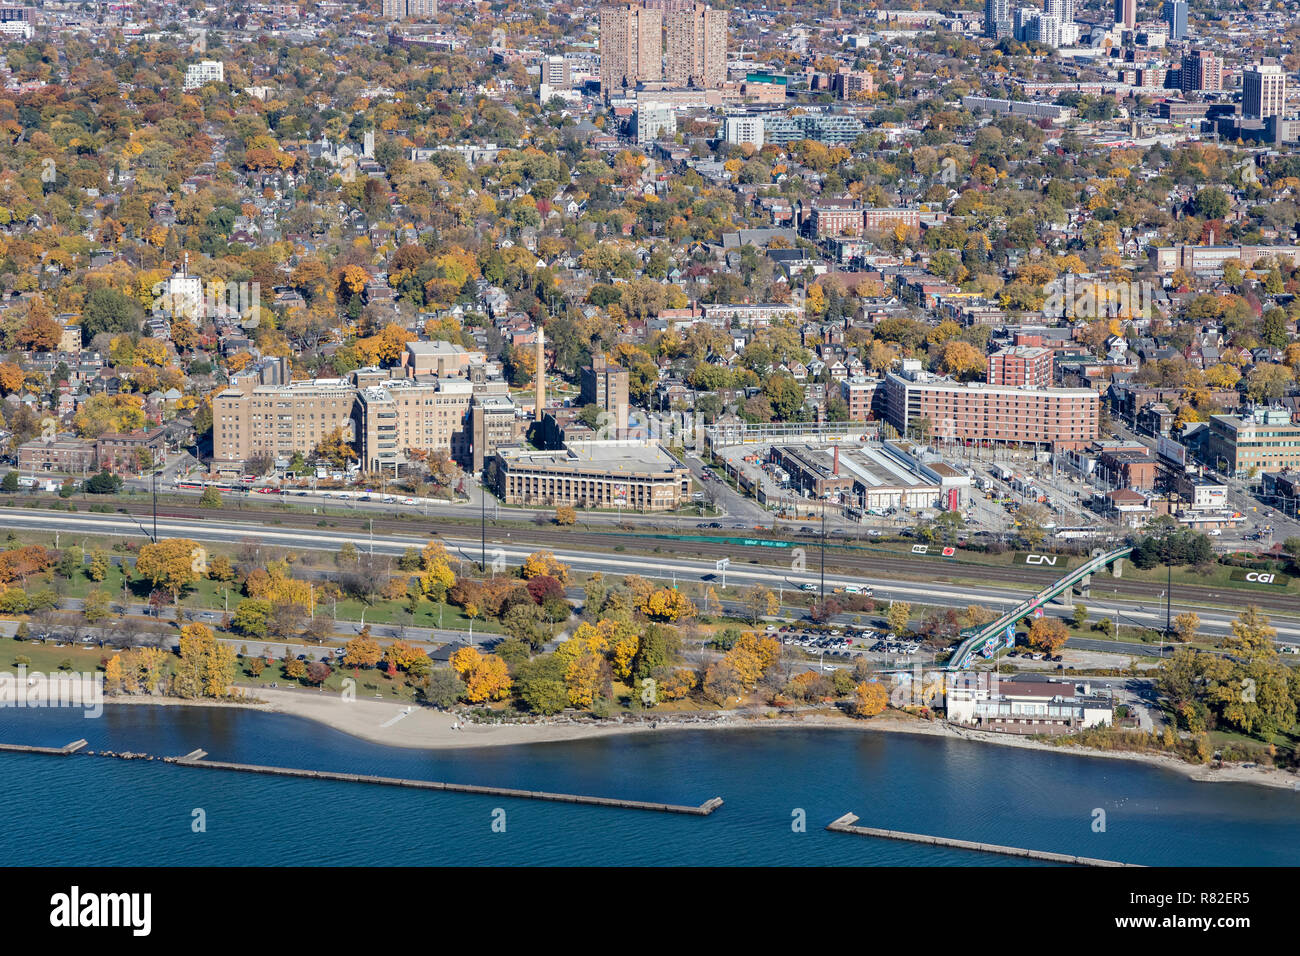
(807, 587)
(1214, 532)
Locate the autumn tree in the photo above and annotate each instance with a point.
(869, 699)
(486, 676)
(1048, 634)
(759, 601)
(169, 565)
(898, 617)
(206, 667)
(1186, 626)
(362, 651)
(544, 562)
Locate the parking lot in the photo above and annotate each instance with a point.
(845, 644)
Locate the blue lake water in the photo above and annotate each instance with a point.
(84, 811)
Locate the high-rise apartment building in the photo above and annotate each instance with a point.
(631, 47)
(1202, 71)
(409, 9)
(697, 45)
(1126, 13)
(605, 386)
(997, 18)
(1263, 91)
(1176, 19)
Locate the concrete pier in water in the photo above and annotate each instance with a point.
(846, 824)
(195, 759)
(703, 810)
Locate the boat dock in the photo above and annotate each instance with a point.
(847, 824)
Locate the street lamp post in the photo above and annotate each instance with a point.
(153, 481)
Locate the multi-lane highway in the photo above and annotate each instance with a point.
(893, 579)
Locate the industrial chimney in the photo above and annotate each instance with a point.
(836, 469)
(541, 374)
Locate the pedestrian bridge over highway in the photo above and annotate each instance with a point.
(988, 637)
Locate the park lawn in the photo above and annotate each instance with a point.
(394, 612)
(47, 658)
(369, 682)
(1283, 740)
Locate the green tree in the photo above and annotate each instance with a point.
(252, 617)
(443, 688)
(1212, 203)
(540, 684)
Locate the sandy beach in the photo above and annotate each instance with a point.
(398, 725)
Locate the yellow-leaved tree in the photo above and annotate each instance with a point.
(206, 667)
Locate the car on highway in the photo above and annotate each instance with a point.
(807, 587)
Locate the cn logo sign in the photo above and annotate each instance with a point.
(1049, 559)
(920, 549)
(1259, 578)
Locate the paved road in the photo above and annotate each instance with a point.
(1131, 613)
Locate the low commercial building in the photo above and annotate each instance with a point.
(638, 476)
(66, 454)
(870, 477)
(1209, 260)
(1027, 706)
(1264, 439)
(129, 453)
(1127, 468)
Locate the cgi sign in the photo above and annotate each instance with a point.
(1270, 578)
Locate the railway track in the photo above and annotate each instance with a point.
(869, 560)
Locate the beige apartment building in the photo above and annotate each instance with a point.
(250, 420)
(401, 414)
(380, 416)
(697, 45)
(631, 47)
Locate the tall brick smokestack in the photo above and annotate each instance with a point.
(541, 374)
(836, 469)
